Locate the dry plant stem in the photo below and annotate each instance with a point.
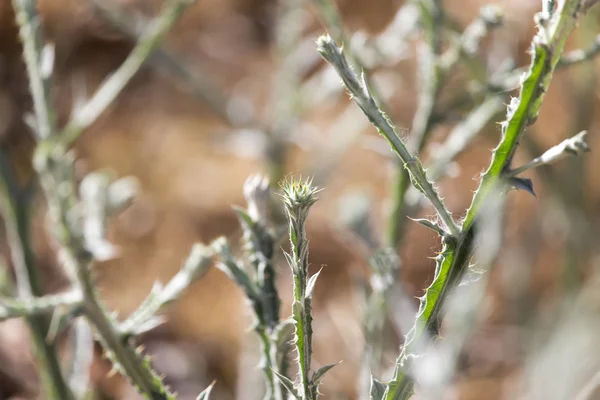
(361, 95)
(116, 82)
(452, 262)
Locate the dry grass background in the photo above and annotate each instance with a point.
(181, 153)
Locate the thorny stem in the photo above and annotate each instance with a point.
(435, 69)
(451, 263)
(571, 146)
(547, 46)
(298, 197)
(55, 167)
(457, 141)
(360, 93)
(332, 20)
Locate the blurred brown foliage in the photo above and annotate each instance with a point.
(177, 148)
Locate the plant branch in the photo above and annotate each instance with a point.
(70, 215)
(332, 20)
(298, 196)
(435, 69)
(568, 147)
(578, 56)
(453, 260)
(144, 318)
(14, 308)
(361, 95)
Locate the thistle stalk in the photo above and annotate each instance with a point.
(298, 196)
(333, 54)
(453, 259)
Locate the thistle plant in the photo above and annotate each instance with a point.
(298, 196)
(79, 216)
(555, 24)
(81, 212)
(259, 284)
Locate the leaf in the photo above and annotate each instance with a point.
(319, 374)
(291, 262)
(144, 312)
(377, 390)
(147, 325)
(231, 267)
(283, 333)
(245, 219)
(288, 384)
(525, 184)
(431, 225)
(205, 395)
(310, 287)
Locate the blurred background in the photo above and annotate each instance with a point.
(253, 96)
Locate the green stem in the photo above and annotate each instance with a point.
(453, 260)
(298, 197)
